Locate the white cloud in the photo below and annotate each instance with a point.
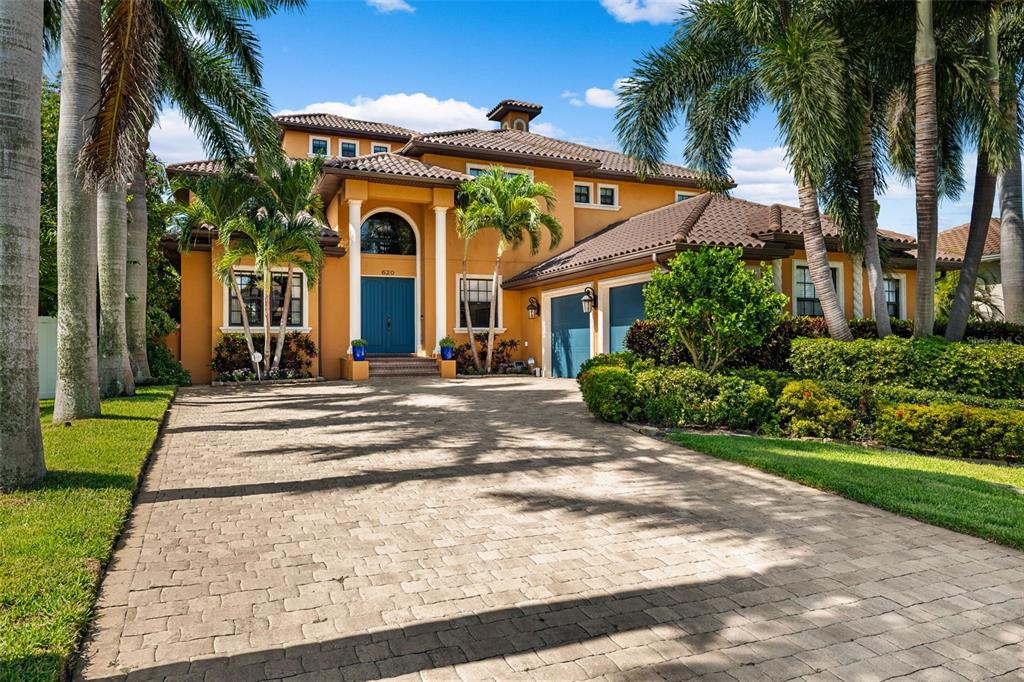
(417, 111)
(601, 98)
(545, 128)
(651, 11)
(173, 141)
(573, 97)
(762, 175)
(388, 6)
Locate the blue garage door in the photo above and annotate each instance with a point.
(625, 306)
(570, 336)
(387, 314)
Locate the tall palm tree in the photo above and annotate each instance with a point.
(115, 369)
(21, 65)
(509, 204)
(136, 275)
(81, 37)
(723, 63)
(466, 231)
(1011, 234)
(926, 142)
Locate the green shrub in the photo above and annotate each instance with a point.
(807, 409)
(867, 399)
(609, 392)
(231, 354)
(741, 404)
(992, 370)
(502, 355)
(674, 396)
(953, 430)
(651, 340)
(772, 380)
(625, 359)
(164, 368)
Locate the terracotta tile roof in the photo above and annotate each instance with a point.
(954, 240)
(513, 105)
(332, 122)
(205, 167)
(589, 160)
(387, 163)
(707, 219)
(791, 225)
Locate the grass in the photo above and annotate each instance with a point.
(986, 500)
(56, 535)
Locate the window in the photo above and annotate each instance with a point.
(581, 194)
(349, 148)
(319, 146)
(387, 233)
(682, 196)
(476, 170)
(608, 195)
(806, 297)
(252, 294)
(479, 292)
(892, 297)
(379, 148)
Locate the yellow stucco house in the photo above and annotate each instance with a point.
(393, 270)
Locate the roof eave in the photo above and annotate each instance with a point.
(419, 147)
(393, 178)
(338, 130)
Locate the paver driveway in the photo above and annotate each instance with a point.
(493, 529)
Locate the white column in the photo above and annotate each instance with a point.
(777, 274)
(355, 270)
(858, 286)
(440, 276)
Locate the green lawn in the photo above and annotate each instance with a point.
(986, 500)
(55, 536)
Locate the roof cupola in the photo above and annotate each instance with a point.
(513, 114)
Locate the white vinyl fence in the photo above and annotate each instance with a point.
(47, 357)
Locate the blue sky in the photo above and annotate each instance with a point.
(433, 65)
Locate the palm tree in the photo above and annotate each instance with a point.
(21, 65)
(722, 65)
(1011, 235)
(510, 204)
(77, 394)
(466, 232)
(926, 142)
(137, 272)
(115, 371)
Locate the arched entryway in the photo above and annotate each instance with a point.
(390, 307)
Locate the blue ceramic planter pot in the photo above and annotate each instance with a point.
(447, 353)
(358, 352)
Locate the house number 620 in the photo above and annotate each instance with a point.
(387, 272)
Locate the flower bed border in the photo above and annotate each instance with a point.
(269, 382)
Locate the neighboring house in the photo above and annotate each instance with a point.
(393, 269)
(954, 242)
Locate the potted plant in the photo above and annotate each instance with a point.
(447, 345)
(358, 349)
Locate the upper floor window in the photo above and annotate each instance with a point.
(608, 195)
(806, 297)
(319, 146)
(380, 148)
(476, 170)
(387, 233)
(349, 148)
(581, 194)
(893, 297)
(682, 196)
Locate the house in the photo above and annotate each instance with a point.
(393, 271)
(954, 241)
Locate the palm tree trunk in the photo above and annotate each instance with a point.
(267, 293)
(492, 312)
(817, 264)
(245, 318)
(1011, 240)
(981, 215)
(926, 144)
(465, 304)
(869, 222)
(284, 319)
(21, 64)
(81, 40)
(137, 275)
(115, 371)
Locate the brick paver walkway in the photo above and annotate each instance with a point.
(491, 529)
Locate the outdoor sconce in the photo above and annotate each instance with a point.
(532, 309)
(588, 300)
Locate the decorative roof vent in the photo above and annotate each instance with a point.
(514, 114)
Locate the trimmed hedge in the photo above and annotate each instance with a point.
(953, 430)
(685, 396)
(610, 392)
(991, 370)
(807, 409)
(625, 359)
(651, 340)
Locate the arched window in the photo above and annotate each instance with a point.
(388, 233)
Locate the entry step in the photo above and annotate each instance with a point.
(401, 365)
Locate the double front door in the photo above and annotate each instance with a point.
(388, 314)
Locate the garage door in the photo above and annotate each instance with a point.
(570, 336)
(625, 306)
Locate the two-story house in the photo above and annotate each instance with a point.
(393, 272)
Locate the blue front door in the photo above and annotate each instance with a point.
(387, 314)
(570, 336)
(625, 306)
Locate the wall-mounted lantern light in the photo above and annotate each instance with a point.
(532, 308)
(588, 300)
